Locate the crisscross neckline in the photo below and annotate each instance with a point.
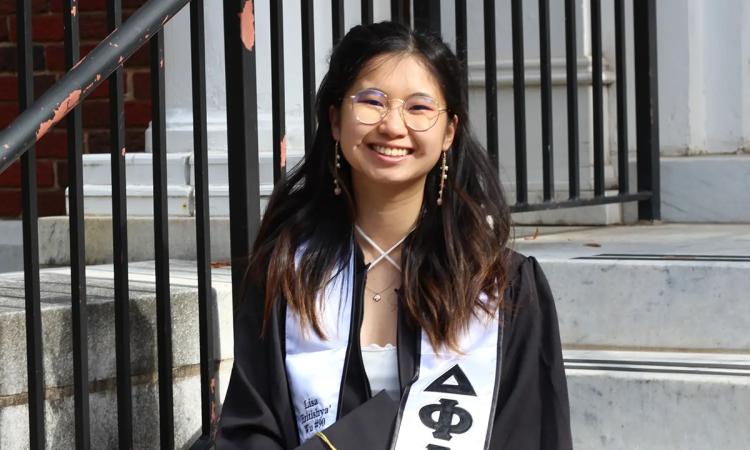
(384, 254)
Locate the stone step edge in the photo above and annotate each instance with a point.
(644, 260)
(659, 362)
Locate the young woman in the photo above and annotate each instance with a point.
(381, 266)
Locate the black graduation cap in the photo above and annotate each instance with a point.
(368, 427)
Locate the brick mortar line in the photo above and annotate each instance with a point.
(107, 384)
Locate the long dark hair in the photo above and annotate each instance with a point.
(457, 250)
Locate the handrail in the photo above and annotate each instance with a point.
(84, 77)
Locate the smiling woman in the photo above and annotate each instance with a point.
(386, 149)
(381, 266)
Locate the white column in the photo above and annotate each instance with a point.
(704, 109)
(704, 76)
(178, 93)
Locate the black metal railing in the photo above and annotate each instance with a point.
(145, 27)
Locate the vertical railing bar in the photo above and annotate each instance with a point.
(202, 225)
(400, 12)
(120, 243)
(545, 72)
(461, 41)
(622, 105)
(647, 107)
(337, 20)
(161, 241)
(308, 71)
(597, 96)
(367, 12)
(277, 91)
(33, 313)
(519, 101)
(571, 68)
(242, 138)
(427, 16)
(79, 314)
(490, 81)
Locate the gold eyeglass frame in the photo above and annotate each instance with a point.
(401, 109)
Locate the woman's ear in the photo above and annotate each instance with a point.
(334, 118)
(450, 133)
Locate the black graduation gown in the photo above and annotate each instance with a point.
(532, 401)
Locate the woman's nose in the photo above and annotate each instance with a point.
(393, 122)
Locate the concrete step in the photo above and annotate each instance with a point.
(11, 246)
(658, 400)
(54, 239)
(679, 287)
(57, 358)
(97, 190)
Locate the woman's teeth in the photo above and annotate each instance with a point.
(390, 151)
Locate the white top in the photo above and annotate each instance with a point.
(381, 366)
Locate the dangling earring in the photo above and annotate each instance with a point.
(443, 177)
(337, 166)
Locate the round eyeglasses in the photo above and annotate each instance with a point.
(419, 112)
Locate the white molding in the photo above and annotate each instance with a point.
(533, 75)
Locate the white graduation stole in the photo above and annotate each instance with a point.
(451, 405)
(315, 398)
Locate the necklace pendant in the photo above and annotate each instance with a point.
(376, 298)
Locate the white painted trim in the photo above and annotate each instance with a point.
(532, 72)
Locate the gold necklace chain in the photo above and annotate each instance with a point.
(377, 297)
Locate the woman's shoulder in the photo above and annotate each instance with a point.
(518, 266)
(527, 286)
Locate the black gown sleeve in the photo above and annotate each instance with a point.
(532, 409)
(249, 419)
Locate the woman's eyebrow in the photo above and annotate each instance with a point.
(373, 88)
(413, 94)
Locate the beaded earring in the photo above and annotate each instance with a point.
(443, 177)
(337, 166)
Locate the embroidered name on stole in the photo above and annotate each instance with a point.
(451, 405)
(315, 366)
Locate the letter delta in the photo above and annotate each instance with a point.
(451, 419)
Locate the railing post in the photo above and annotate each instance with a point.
(79, 309)
(427, 15)
(120, 242)
(209, 395)
(161, 241)
(277, 91)
(647, 108)
(337, 20)
(401, 12)
(34, 360)
(242, 136)
(490, 82)
(308, 70)
(461, 41)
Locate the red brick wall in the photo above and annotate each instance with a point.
(49, 63)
